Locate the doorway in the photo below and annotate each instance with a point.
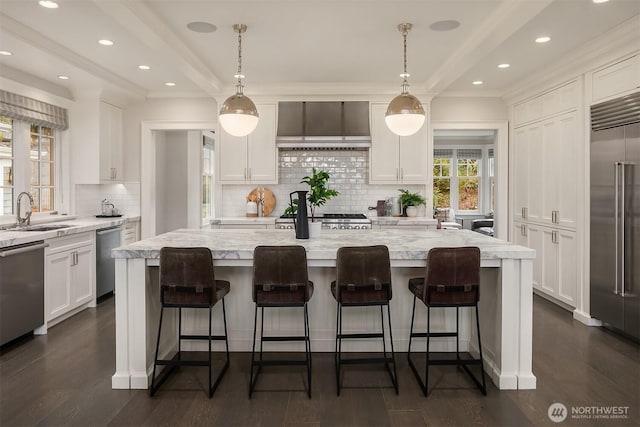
(155, 191)
(470, 171)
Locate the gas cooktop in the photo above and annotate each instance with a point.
(329, 216)
(332, 221)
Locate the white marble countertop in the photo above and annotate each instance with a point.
(240, 220)
(403, 244)
(78, 225)
(402, 220)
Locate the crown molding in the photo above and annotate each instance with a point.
(148, 27)
(26, 84)
(620, 41)
(505, 21)
(41, 42)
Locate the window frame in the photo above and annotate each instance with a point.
(22, 169)
(205, 220)
(484, 179)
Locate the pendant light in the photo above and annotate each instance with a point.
(238, 114)
(405, 114)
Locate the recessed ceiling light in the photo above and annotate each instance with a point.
(505, 65)
(48, 4)
(477, 82)
(61, 77)
(543, 39)
(600, 1)
(170, 84)
(201, 27)
(447, 25)
(5, 53)
(144, 67)
(105, 42)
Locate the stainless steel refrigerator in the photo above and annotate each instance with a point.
(615, 214)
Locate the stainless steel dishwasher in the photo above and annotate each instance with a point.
(106, 240)
(21, 289)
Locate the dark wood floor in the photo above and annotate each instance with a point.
(64, 378)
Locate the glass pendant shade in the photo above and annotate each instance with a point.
(238, 115)
(405, 115)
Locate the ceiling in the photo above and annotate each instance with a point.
(333, 47)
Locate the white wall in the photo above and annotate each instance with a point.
(446, 109)
(171, 180)
(165, 109)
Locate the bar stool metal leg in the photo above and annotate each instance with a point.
(394, 376)
(154, 387)
(307, 347)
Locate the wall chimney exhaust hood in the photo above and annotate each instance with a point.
(323, 125)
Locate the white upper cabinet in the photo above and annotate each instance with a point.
(547, 151)
(253, 158)
(111, 145)
(615, 80)
(97, 142)
(395, 159)
(553, 102)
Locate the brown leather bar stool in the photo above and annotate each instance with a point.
(280, 279)
(187, 280)
(452, 279)
(363, 279)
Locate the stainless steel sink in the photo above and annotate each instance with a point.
(43, 227)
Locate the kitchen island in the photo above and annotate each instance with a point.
(505, 299)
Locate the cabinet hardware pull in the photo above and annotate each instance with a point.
(554, 237)
(249, 173)
(401, 174)
(523, 230)
(524, 212)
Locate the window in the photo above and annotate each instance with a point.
(6, 166)
(442, 178)
(458, 180)
(27, 159)
(42, 168)
(468, 179)
(208, 173)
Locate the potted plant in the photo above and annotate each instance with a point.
(410, 201)
(318, 196)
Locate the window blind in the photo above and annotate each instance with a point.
(31, 110)
(442, 153)
(491, 153)
(470, 153)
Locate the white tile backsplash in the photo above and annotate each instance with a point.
(349, 170)
(125, 197)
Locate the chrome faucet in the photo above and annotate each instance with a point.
(27, 219)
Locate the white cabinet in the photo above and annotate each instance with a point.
(130, 233)
(527, 161)
(254, 158)
(615, 80)
(555, 269)
(545, 174)
(560, 151)
(111, 144)
(69, 273)
(555, 101)
(395, 159)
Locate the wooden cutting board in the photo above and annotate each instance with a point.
(269, 199)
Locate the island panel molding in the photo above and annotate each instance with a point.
(505, 304)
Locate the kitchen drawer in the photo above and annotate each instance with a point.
(64, 243)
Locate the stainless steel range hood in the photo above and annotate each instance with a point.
(323, 125)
